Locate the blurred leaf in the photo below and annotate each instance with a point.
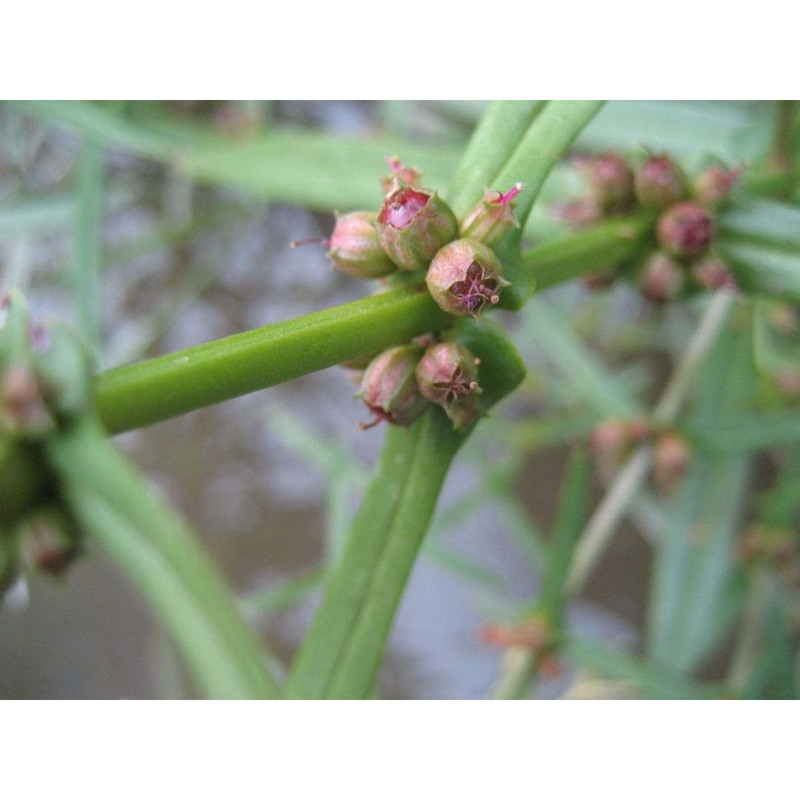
(546, 325)
(654, 681)
(51, 213)
(763, 269)
(767, 221)
(270, 599)
(694, 594)
(570, 519)
(745, 432)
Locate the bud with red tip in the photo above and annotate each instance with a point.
(389, 386)
(712, 272)
(661, 277)
(713, 185)
(465, 277)
(610, 180)
(492, 218)
(685, 230)
(355, 246)
(448, 375)
(671, 458)
(413, 224)
(660, 182)
(401, 176)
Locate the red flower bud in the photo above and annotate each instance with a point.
(492, 218)
(671, 458)
(401, 176)
(447, 374)
(661, 277)
(610, 180)
(711, 272)
(355, 246)
(464, 277)
(685, 229)
(389, 387)
(413, 224)
(713, 185)
(660, 182)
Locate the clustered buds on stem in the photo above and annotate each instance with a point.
(685, 230)
(416, 231)
(465, 277)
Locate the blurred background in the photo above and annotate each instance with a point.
(189, 209)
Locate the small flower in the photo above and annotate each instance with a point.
(660, 182)
(610, 180)
(401, 176)
(465, 277)
(661, 278)
(389, 387)
(685, 230)
(413, 224)
(447, 374)
(355, 246)
(713, 186)
(492, 218)
(712, 272)
(671, 458)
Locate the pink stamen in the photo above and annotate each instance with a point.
(505, 199)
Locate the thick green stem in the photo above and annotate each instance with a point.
(150, 391)
(344, 647)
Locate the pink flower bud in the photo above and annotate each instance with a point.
(355, 246)
(712, 272)
(661, 278)
(413, 224)
(671, 458)
(685, 229)
(389, 387)
(579, 213)
(448, 375)
(660, 182)
(465, 277)
(610, 180)
(401, 176)
(492, 218)
(713, 185)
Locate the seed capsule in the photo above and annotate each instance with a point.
(661, 278)
(610, 181)
(465, 277)
(713, 185)
(355, 246)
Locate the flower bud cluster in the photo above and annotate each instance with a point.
(402, 382)
(682, 258)
(413, 233)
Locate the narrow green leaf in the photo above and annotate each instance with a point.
(262, 602)
(88, 245)
(152, 545)
(570, 519)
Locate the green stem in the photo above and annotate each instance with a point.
(152, 545)
(149, 391)
(781, 159)
(343, 649)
